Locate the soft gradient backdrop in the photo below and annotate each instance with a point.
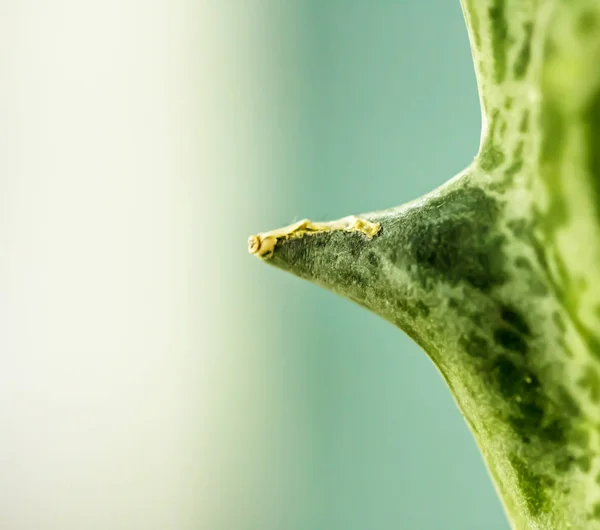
(152, 374)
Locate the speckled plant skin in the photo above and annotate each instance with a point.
(496, 274)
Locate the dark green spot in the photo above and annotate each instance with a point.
(503, 126)
(514, 168)
(524, 125)
(455, 239)
(510, 340)
(413, 310)
(403, 305)
(512, 317)
(507, 377)
(553, 432)
(499, 32)
(491, 156)
(540, 255)
(551, 151)
(523, 263)
(422, 309)
(584, 463)
(564, 463)
(591, 121)
(587, 22)
(531, 415)
(476, 346)
(592, 342)
(522, 62)
(518, 153)
(373, 259)
(531, 418)
(552, 127)
(559, 321)
(519, 227)
(580, 437)
(590, 381)
(550, 49)
(568, 404)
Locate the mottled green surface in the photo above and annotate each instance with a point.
(495, 273)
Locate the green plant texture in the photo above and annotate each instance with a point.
(496, 274)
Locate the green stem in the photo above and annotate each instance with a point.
(495, 275)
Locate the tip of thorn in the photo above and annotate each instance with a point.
(253, 244)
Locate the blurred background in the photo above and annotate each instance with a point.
(153, 375)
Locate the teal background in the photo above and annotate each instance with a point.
(153, 375)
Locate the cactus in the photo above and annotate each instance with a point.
(496, 274)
